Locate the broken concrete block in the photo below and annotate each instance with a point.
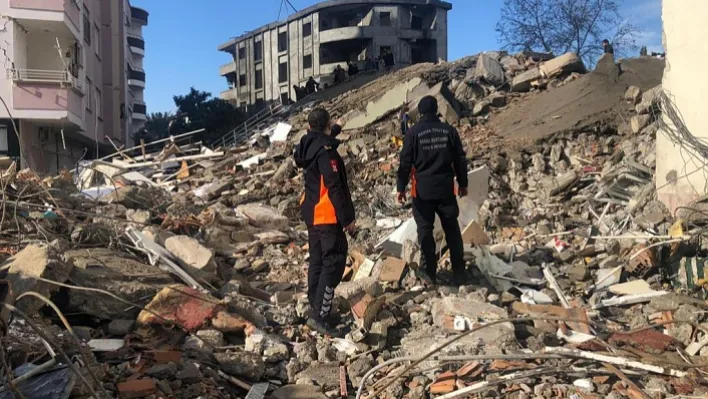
(191, 253)
(639, 122)
(35, 261)
(263, 216)
(325, 375)
(566, 63)
(481, 108)
(388, 102)
(650, 100)
(273, 237)
(299, 392)
(241, 364)
(138, 216)
(633, 94)
(392, 270)
(467, 93)
(181, 305)
(115, 272)
(448, 106)
(490, 70)
(445, 310)
(497, 100)
(522, 82)
(558, 184)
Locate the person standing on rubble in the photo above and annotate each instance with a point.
(607, 47)
(328, 211)
(311, 86)
(432, 157)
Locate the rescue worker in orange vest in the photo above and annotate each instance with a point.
(433, 156)
(328, 212)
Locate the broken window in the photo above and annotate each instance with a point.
(282, 41)
(416, 22)
(307, 61)
(258, 50)
(259, 80)
(242, 80)
(306, 29)
(283, 72)
(385, 18)
(241, 53)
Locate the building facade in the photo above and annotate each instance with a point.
(681, 173)
(268, 61)
(57, 93)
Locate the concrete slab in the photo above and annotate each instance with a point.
(566, 63)
(631, 288)
(489, 69)
(388, 102)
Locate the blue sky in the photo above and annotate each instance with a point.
(183, 35)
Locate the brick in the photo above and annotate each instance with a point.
(445, 383)
(164, 357)
(137, 388)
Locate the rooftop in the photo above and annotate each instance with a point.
(327, 4)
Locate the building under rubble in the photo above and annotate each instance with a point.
(268, 61)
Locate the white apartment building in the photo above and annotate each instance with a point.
(56, 54)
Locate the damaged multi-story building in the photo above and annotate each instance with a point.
(268, 61)
(73, 79)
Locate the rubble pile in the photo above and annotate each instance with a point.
(181, 273)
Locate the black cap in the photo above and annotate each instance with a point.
(428, 105)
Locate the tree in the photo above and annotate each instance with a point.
(198, 110)
(560, 26)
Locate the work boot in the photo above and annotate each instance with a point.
(323, 328)
(459, 278)
(425, 277)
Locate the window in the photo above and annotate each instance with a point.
(98, 103)
(284, 98)
(259, 80)
(307, 61)
(283, 72)
(97, 35)
(87, 26)
(416, 22)
(74, 55)
(89, 94)
(4, 147)
(307, 29)
(242, 80)
(282, 41)
(258, 50)
(241, 53)
(385, 18)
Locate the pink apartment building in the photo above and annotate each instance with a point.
(74, 79)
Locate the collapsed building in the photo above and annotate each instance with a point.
(268, 61)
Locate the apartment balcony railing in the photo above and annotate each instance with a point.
(137, 42)
(139, 14)
(45, 76)
(136, 78)
(139, 111)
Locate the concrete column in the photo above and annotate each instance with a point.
(681, 174)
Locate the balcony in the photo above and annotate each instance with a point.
(137, 45)
(346, 33)
(139, 111)
(136, 78)
(46, 94)
(139, 15)
(58, 16)
(227, 68)
(229, 95)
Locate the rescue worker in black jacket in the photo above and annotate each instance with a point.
(432, 157)
(328, 212)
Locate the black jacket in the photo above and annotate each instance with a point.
(432, 156)
(327, 199)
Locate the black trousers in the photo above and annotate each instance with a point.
(328, 258)
(424, 212)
